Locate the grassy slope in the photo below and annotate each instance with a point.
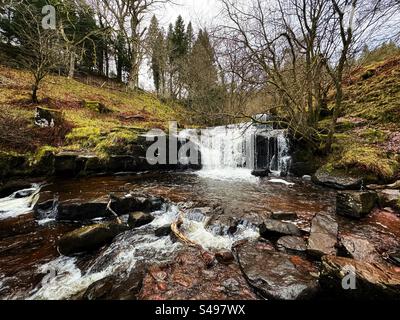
(369, 131)
(84, 129)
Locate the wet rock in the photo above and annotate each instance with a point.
(337, 180)
(225, 257)
(117, 287)
(138, 219)
(190, 278)
(23, 224)
(360, 249)
(286, 216)
(10, 187)
(24, 193)
(276, 275)
(323, 236)
(373, 282)
(306, 178)
(389, 198)
(274, 228)
(89, 238)
(355, 204)
(395, 185)
(394, 257)
(78, 211)
(129, 202)
(122, 163)
(163, 231)
(261, 173)
(292, 245)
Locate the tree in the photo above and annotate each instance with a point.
(37, 49)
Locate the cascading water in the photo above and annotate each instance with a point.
(233, 151)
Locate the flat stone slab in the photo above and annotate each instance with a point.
(323, 236)
(292, 245)
(276, 275)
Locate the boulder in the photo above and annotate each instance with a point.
(292, 245)
(287, 216)
(163, 231)
(65, 163)
(389, 198)
(89, 238)
(323, 236)
(138, 219)
(337, 180)
(373, 282)
(276, 275)
(360, 249)
(274, 228)
(82, 211)
(45, 117)
(117, 287)
(355, 204)
(192, 277)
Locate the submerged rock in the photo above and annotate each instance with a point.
(323, 236)
(292, 245)
(81, 211)
(360, 249)
(163, 231)
(89, 238)
(337, 180)
(274, 228)
(190, 277)
(276, 275)
(138, 219)
(355, 204)
(373, 282)
(287, 216)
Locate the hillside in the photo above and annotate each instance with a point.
(368, 139)
(82, 129)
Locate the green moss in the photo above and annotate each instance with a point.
(374, 135)
(368, 159)
(86, 137)
(119, 142)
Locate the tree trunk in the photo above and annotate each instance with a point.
(72, 61)
(35, 89)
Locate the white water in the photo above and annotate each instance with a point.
(11, 207)
(231, 152)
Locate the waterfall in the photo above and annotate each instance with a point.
(241, 148)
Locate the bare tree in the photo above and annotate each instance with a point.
(38, 48)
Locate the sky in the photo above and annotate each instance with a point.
(200, 12)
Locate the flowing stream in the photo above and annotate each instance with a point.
(223, 192)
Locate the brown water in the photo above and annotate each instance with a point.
(25, 245)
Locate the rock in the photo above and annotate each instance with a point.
(389, 198)
(395, 185)
(360, 249)
(261, 173)
(45, 117)
(373, 282)
(276, 275)
(225, 257)
(292, 245)
(394, 257)
(77, 211)
(355, 204)
(122, 163)
(65, 163)
(375, 187)
(163, 231)
(306, 178)
(190, 278)
(286, 216)
(337, 180)
(116, 287)
(96, 106)
(138, 219)
(11, 187)
(274, 228)
(24, 193)
(89, 238)
(323, 236)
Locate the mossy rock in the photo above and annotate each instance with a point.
(13, 164)
(96, 106)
